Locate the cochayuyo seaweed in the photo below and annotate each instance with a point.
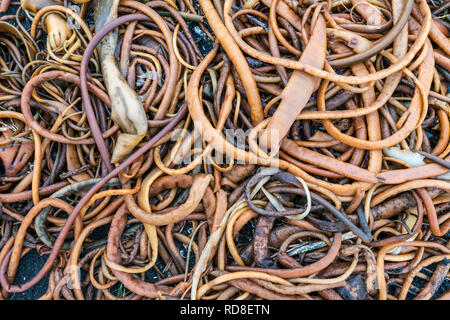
(226, 149)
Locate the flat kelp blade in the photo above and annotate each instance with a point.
(127, 110)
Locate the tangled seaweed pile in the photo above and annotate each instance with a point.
(304, 155)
